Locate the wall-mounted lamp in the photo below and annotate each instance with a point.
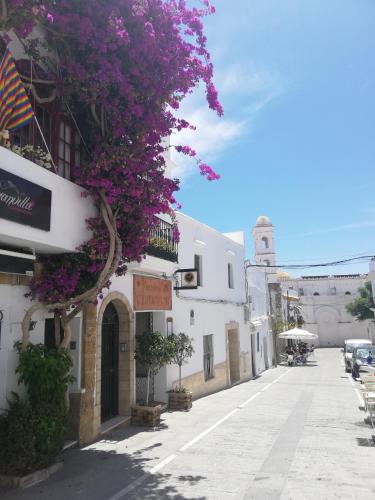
(32, 325)
(123, 346)
(169, 326)
(192, 317)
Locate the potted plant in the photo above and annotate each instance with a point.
(153, 350)
(179, 398)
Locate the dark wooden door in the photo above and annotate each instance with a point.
(110, 351)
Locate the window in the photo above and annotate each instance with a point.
(61, 137)
(257, 341)
(265, 242)
(267, 262)
(230, 275)
(316, 294)
(198, 267)
(301, 292)
(347, 293)
(332, 290)
(64, 150)
(208, 357)
(49, 333)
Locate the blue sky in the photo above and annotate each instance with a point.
(297, 141)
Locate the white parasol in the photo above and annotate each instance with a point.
(297, 334)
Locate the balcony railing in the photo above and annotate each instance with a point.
(162, 243)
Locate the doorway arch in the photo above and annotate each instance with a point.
(110, 363)
(115, 327)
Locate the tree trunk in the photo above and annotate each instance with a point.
(179, 377)
(113, 259)
(148, 386)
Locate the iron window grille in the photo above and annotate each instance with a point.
(162, 242)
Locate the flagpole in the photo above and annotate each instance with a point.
(45, 143)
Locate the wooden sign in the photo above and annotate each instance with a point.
(151, 294)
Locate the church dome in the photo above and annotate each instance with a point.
(283, 276)
(263, 220)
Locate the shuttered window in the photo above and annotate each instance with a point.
(230, 275)
(208, 357)
(198, 267)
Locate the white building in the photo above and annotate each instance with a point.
(262, 347)
(323, 301)
(214, 314)
(264, 242)
(107, 379)
(320, 300)
(257, 276)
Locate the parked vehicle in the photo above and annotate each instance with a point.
(349, 346)
(363, 360)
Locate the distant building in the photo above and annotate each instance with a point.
(264, 243)
(323, 301)
(319, 300)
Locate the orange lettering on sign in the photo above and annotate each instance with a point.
(151, 294)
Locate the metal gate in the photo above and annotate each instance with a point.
(110, 354)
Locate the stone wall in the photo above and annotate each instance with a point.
(199, 386)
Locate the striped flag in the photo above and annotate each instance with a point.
(15, 107)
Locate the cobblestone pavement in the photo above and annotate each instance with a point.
(293, 433)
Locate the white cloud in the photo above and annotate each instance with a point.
(239, 84)
(248, 79)
(212, 137)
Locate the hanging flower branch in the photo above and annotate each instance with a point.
(122, 66)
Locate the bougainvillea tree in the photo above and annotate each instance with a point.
(122, 68)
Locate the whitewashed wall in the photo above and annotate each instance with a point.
(214, 303)
(259, 315)
(13, 305)
(325, 314)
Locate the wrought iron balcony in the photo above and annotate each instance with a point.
(162, 243)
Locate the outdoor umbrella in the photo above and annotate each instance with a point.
(298, 334)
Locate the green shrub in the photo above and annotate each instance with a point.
(29, 439)
(153, 350)
(45, 373)
(32, 430)
(183, 349)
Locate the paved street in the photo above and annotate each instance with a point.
(293, 433)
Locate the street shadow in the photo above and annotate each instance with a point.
(97, 473)
(192, 480)
(362, 424)
(307, 365)
(120, 434)
(366, 442)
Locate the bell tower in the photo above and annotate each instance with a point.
(264, 243)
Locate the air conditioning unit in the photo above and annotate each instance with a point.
(187, 279)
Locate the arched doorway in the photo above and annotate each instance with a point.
(110, 363)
